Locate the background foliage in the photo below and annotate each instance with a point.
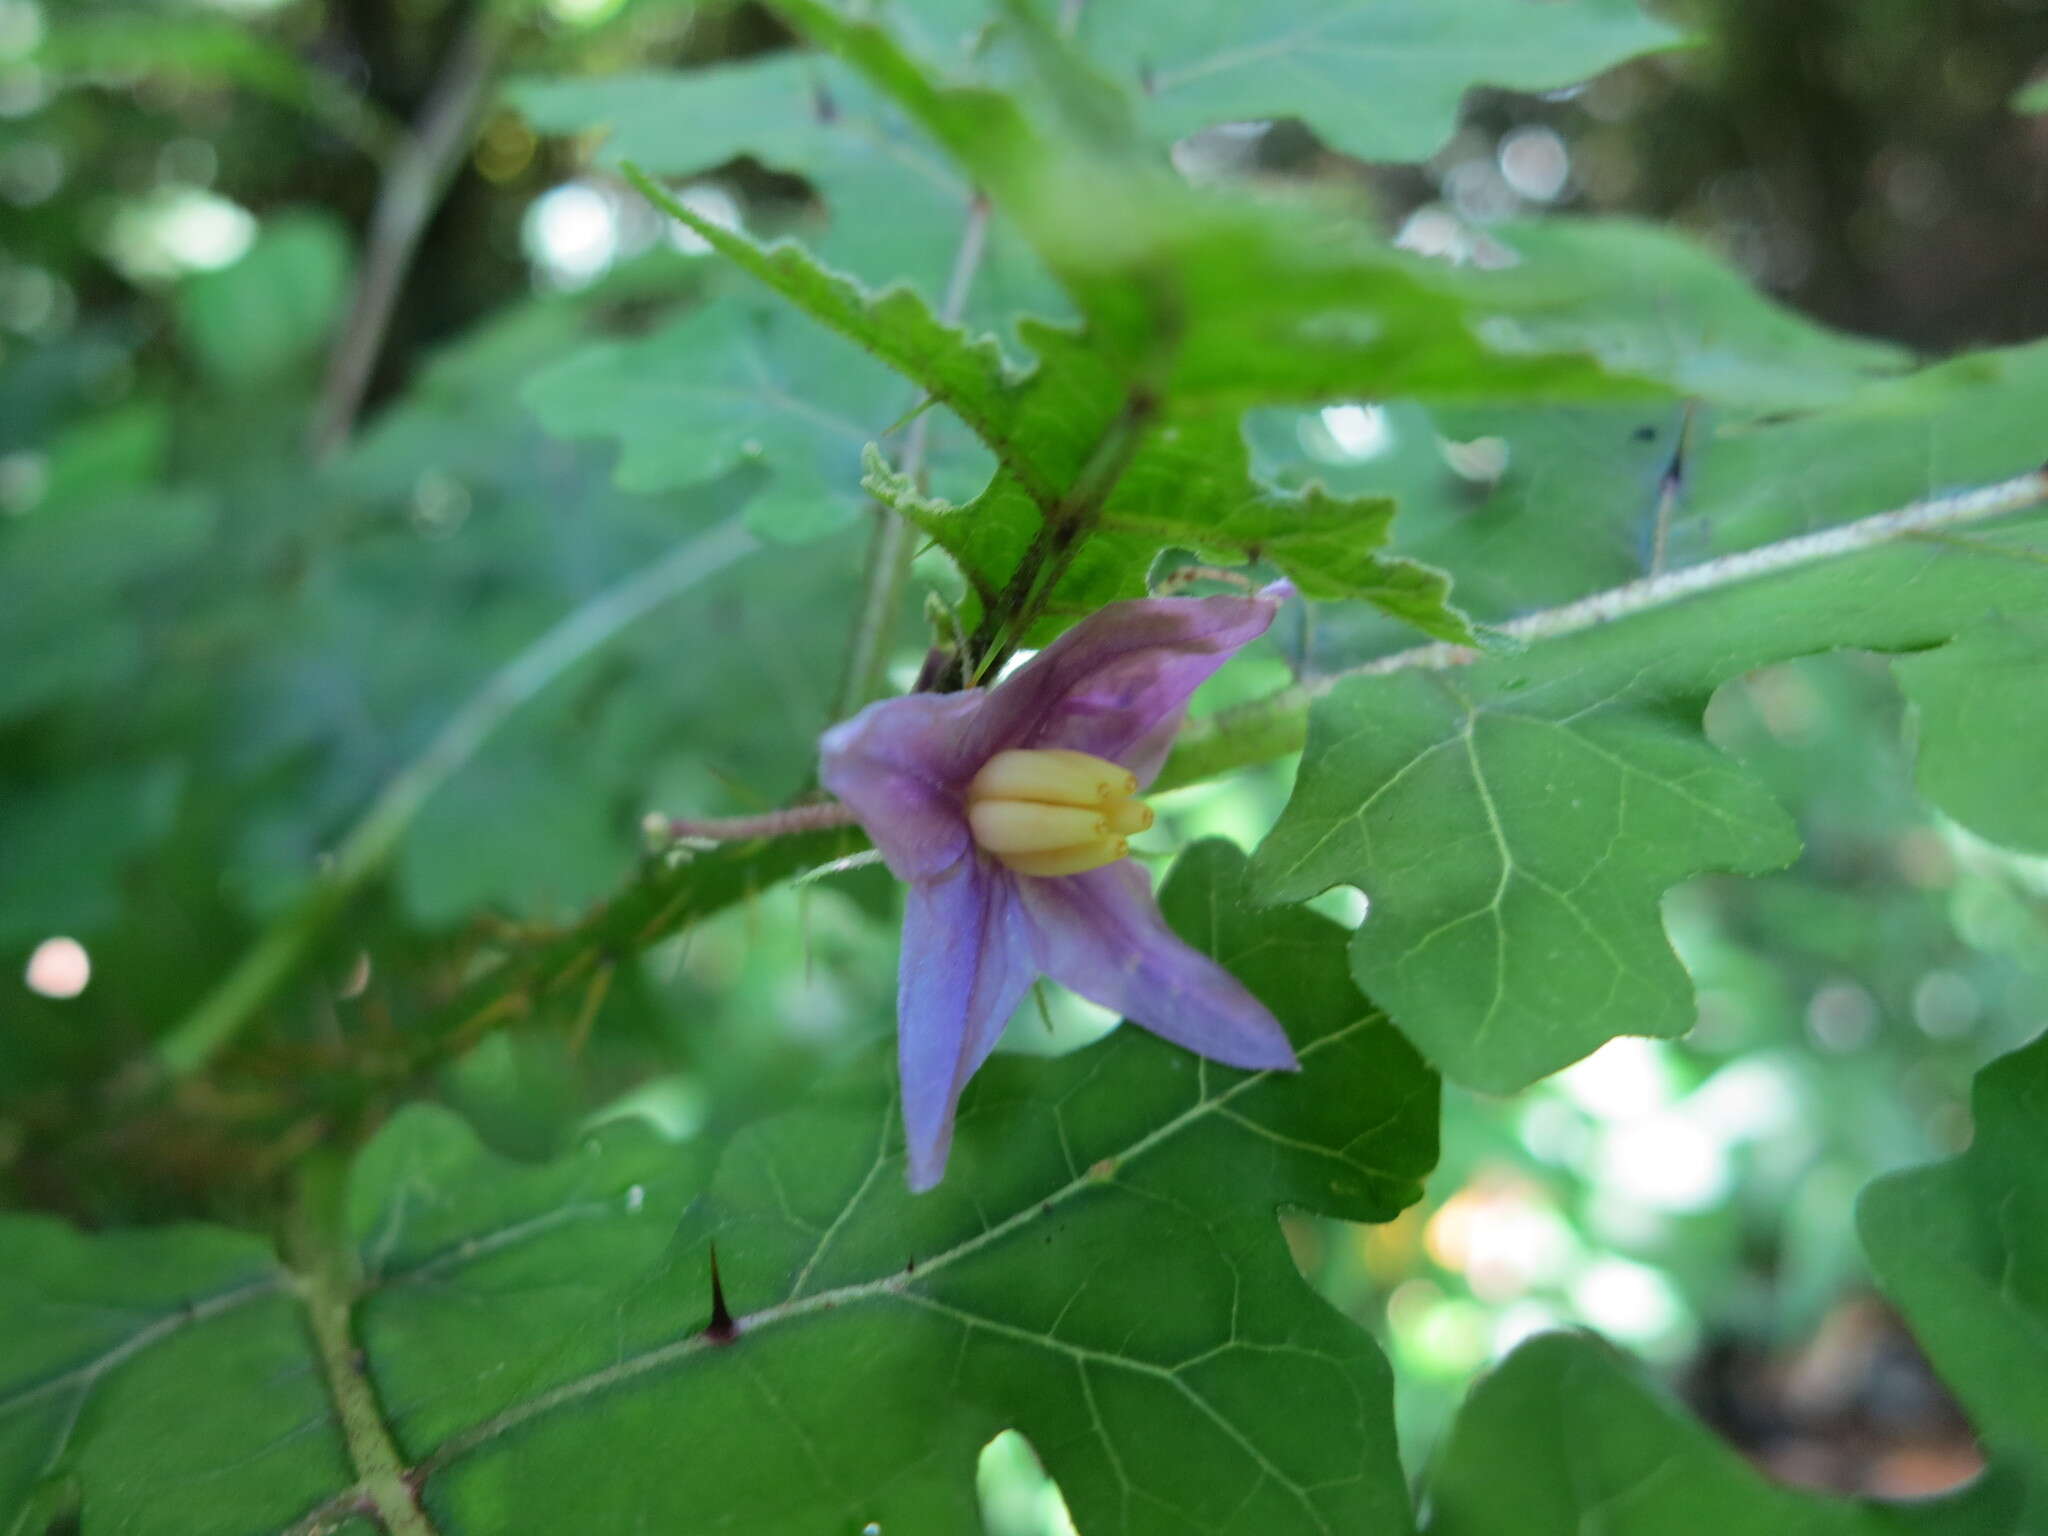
(433, 437)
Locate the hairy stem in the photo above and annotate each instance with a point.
(363, 853)
(329, 1285)
(1008, 620)
(414, 184)
(666, 899)
(740, 829)
(894, 542)
(1278, 724)
(1257, 732)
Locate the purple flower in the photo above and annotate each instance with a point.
(1005, 811)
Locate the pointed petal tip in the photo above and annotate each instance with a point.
(922, 1181)
(1288, 1063)
(1269, 1054)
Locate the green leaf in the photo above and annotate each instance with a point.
(1566, 1438)
(997, 1302)
(1266, 304)
(1977, 761)
(1515, 822)
(1188, 483)
(1206, 303)
(134, 1361)
(1525, 506)
(528, 831)
(270, 311)
(808, 115)
(1570, 499)
(1210, 294)
(2031, 98)
(680, 122)
(471, 535)
(204, 50)
(1380, 79)
(1189, 486)
(964, 373)
(1962, 1247)
(537, 1337)
(725, 386)
(73, 569)
(1196, 305)
(667, 896)
(1959, 423)
(1652, 304)
(122, 449)
(67, 840)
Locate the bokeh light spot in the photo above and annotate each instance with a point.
(60, 968)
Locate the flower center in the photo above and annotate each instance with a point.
(1054, 812)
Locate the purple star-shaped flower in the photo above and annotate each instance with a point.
(1005, 811)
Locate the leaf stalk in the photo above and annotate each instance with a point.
(894, 543)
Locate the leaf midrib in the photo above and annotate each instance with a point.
(895, 1284)
(157, 1328)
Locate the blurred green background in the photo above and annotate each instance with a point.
(241, 589)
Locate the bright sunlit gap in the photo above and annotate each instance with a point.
(1359, 431)
(584, 13)
(1631, 1302)
(1657, 1146)
(21, 28)
(1018, 1498)
(1535, 163)
(178, 229)
(576, 232)
(59, 968)
(1664, 1151)
(571, 233)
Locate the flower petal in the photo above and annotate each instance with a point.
(966, 965)
(1100, 934)
(901, 766)
(1114, 685)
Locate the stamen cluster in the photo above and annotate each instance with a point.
(1051, 811)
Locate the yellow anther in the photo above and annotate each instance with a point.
(1128, 816)
(1025, 826)
(1053, 812)
(1068, 861)
(1052, 776)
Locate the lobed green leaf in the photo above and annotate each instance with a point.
(1962, 1247)
(1515, 822)
(1224, 62)
(543, 1344)
(1566, 1438)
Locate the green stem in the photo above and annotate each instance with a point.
(894, 543)
(329, 1284)
(415, 180)
(816, 817)
(1278, 724)
(1258, 732)
(667, 899)
(1067, 525)
(369, 844)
